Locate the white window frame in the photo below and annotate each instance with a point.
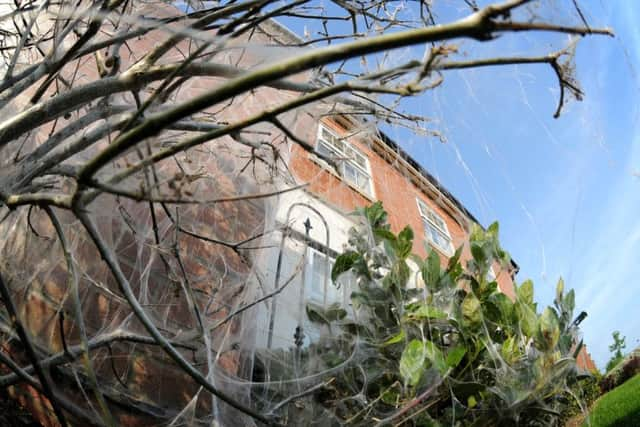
(346, 154)
(432, 220)
(320, 298)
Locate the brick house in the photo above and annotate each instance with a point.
(376, 169)
(373, 168)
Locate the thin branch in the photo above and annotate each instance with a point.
(302, 394)
(139, 312)
(480, 25)
(28, 347)
(74, 352)
(72, 283)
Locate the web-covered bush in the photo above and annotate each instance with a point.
(453, 350)
(582, 392)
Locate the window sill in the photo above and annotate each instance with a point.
(318, 161)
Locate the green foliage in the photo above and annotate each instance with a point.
(624, 369)
(616, 348)
(613, 362)
(474, 356)
(582, 393)
(619, 343)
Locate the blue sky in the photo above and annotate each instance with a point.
(566, 191)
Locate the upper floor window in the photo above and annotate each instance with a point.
(352, 164)
(435, 229)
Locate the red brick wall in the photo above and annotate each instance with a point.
(396, 190)
(584, 360)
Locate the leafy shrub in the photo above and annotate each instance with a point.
(581, 395)
(625, 370)
(613, 363)
(453, 351)
(630, 368)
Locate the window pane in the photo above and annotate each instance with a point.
(422, 208)
(352, 163)
(438, 222)
(360, 160)
(326, 135)
(350, 173)
(439, 239)
(318, 277)
(348, 152)
(324, 150)
(364, 183)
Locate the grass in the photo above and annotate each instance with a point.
(618, 408)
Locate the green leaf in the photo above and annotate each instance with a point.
(478, 253)
(559, 290)
(399, 337)
(412, 362)
(548, 329)
(391, 397)
(493, 230)
(405, 242)
(454, 268)
(569, 302)
(399, 275)
(525, 292)
(344, 263)
(425, 311)
(425, 420)
(455, 355)
(434, 354)
(431, 271)
(471, 309)
(358, 299)
(375, 214)
(471, 402)
(384, 234)
(505, 306)
(528, 319)
(335, 312)
(463, 390)
(316, 315)
(354, 328)
(477, 234)
(510, 351)
(492, 311)
(453, 261)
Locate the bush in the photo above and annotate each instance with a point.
(583, 392)
(627, 369)
(630, 368)
(454, 351)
